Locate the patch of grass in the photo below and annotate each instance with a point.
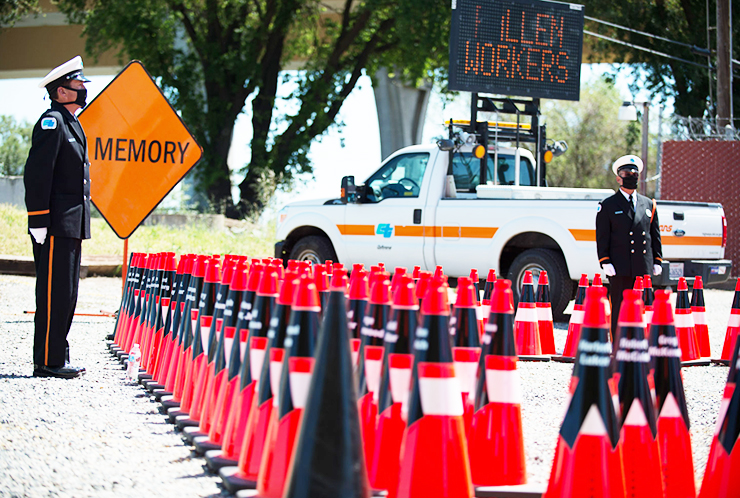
(253, 240)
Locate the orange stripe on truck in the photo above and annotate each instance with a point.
(356, 229)
(477, 232)
(691, 241)
(410, 231)
(583, 235)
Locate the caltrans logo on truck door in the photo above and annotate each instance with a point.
(384, 229)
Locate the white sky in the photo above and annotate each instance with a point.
(360, 155)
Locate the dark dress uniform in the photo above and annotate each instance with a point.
(629, 240)
(57, 185)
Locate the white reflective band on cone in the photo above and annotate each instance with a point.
(299, 383)
(544, 314)
(683, 321)
(576, 316)
(400, 380)
(734, 321)
(525, 314)
(503, 386)
(256, 358)
(440, 396)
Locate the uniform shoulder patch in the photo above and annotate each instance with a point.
(48, 123)
(649, 212)
(598, 208)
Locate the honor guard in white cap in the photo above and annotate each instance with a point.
(57, 181)
(627, 233)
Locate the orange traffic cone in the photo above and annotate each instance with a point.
(328, 458)
(422, 285)
(733, 327)
(294, 381)
(434, 458)
(371, 358)
(394, 385)
(466, 350)
(684, 323)
(359, 292)
(722, 475)
(496, 441)
(648, 296)
(673, 417)
(266, 399)
(544, 315)
(235, 425)
(642, 472)
(183, 373)
(165, 379)
(202, 374)
(526, 330)
(700, 320)
(124, 312)
(215, 407)
(588, 458)
(574, 326)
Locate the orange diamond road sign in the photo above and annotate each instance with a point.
(139, 148)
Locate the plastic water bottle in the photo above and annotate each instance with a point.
(132, 368)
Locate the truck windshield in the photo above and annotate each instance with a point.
(466, 170)
(399, 177)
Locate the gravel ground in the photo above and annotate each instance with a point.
(101, 436)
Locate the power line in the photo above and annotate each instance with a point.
(644, 49)
(693, 48)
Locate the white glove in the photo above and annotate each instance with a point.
(38, 234)
(657, 270)
(609, 270)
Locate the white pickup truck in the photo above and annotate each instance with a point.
(409, 213)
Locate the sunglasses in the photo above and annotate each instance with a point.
(628, 172)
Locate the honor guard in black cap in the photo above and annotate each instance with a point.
(627, 233)
(57, 184)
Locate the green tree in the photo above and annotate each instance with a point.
(214, 56)
(595, 137)
(683, 21)
(12, 10)
(15, 141)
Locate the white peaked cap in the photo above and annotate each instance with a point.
(629, 160)
(72, 69)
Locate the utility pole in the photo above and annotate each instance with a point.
(724, 65)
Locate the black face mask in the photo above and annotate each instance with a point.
(81, 96)
(629, 182)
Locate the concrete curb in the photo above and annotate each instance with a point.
(103, 266)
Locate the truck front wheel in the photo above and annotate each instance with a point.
(314, 248)
(536, 260)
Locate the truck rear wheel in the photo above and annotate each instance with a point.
(536, 260)
(314, 248)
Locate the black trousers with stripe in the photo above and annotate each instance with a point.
(617, 286)
(57, 263)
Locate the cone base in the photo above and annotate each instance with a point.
(152, 385)
(203, 444)
(143, 377)
(114, 348)
(518, 491)
(701, 362)
(720, 361)
(563, 359)
(173, 413)
(160, 394)
(215, 460)
(190, 433)
(120, 354)
(183, 421)
(534, 357)
(233, 482)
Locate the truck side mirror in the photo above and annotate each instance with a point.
(349, 191)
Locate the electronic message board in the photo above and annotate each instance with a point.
(530, 48)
